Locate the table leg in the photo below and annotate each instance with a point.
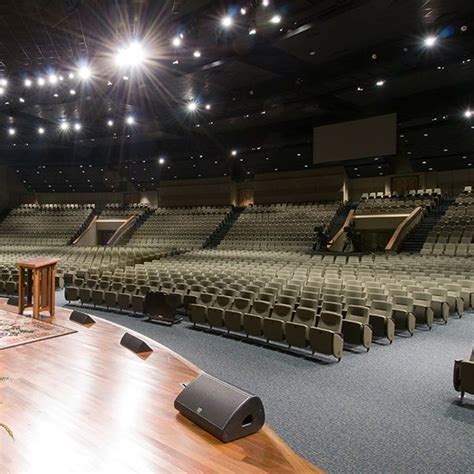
(36, 293)
(52, 283)
(20, 291)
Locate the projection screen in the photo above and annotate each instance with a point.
(366, 138)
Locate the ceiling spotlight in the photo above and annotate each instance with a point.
(161, 161)
(72, 92)
(192, 106)
(77, 127)
(380, 83)
(176, 42)
(2, 91)
(197, 54)
(84, 72)
(275, 19)
(21, 100)
(130, 56)
(253, 31)
(265, 3)
(208, 106)
(227, 21)
(233, 152)
(71, 75)
(11, 131)
(468, 113)
(41, 82)
(3, 82)
(430, 41)
(41, 130)
(53, 79)
(243, 11)
(110, 123)
(130, 120)
(64, 126)
(28, 83)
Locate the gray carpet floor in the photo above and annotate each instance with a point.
(392, 410)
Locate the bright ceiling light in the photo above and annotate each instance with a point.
(41, 82)
(3, 82)
(130, 120)
(227, 21)
(468, 113)
(192, 106)
(21, 100)
(53, 79)
(2, 91)
(208, 106)
(110, 123)
(84, 72)
(275, 19)
(64, 126)
(430, 41)
(11, 131)
(161, 161)
(132, 55)
(71, 75)
(265, 3)
(72, 92)
(41, 130)
(380, 83)
(176, 42)
(233, 152)
(28, 83)
(243, 11)
(197, 54)
(253, 31)
(77, 127)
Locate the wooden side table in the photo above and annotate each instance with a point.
(38, 275)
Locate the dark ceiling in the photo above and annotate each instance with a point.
(319, 64)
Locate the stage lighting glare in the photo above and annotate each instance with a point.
(11, 131)
(84, 72)
(21, 100)
(41, 82)
(176, 42)
(77, 127)
(243, 11)
(71, 75)
(468, 113)
(197, 54)
(208, 106)
(430, 41)
(110, 123)
(227, 22)
(253, 31)
(192, 106)
(234, 152)
(41, 130)
(130, 120)
(28, 83)
(265, 3)
(53, 79)
(64, 126)
(72, 92)
(2, 91)
(131, 56)
(161, 161)
(275, 19)
(380, 83)
(3, 82)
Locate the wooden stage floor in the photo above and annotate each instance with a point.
(82, 403)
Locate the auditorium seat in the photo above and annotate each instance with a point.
(326, 337)
(380, 319)
(297, 331)
(355, 326)
(463, 377)
(274, 326)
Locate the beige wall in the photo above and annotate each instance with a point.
(322, 184)
(195, 192)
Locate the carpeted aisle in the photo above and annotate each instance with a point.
(393, 410)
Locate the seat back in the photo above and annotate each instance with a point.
(306, 316)
(330, 321)
(282, 311)
(358, 314)
(261, 308)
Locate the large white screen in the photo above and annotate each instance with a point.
(370, 137)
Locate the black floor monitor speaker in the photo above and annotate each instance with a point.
(134, 344)
(225, 411)
(81, 318)
(13, 301)
(161, 307)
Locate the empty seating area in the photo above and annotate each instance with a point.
(381, 203)
(117, 210)
(454, 232)
(185, 228)
(46, 224)
(314, 303)
(288, 227)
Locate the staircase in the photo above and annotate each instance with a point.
(218, 235)
(417, 237)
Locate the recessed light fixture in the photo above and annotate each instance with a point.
(234, 153)
(130, 120)
(72, 92)
(208, 106)
(192, 106)
(380, 83)
(243, 11)
(430, 41)
(275, 19)
(252, 31)
(3, 82)
(468, 113)
(131, 56)
(197, 54)
(110, 123)
(77, 127)
(11, 131)
(161, 161)
(41, 81)
(28, 83)
(64, 126)
(176, 42)
(227, 21)
(84, 72)
(53, 79)
(265, 3)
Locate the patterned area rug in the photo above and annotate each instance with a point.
(16, 330)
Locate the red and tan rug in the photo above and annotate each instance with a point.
(16, 330)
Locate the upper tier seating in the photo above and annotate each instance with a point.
(185, 228)
(116, 210)
(380, 203)
(46, 224)
(279, 226)
(453, 234)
